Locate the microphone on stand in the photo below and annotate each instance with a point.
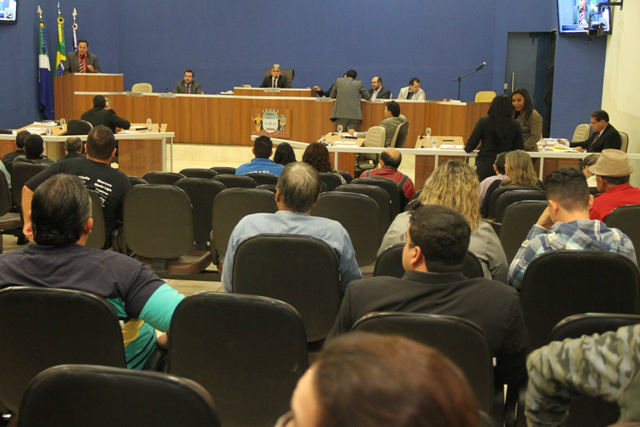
(481, 66)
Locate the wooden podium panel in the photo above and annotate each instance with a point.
(65, 86)
(261, 91)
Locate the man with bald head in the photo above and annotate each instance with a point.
(390, 160)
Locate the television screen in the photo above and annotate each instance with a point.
(581, 16)
(8, 11)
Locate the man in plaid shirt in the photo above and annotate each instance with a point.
(565, 224)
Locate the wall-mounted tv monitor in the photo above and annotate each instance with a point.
(581, 16)
(8, 11)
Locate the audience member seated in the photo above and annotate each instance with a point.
(499, 168)
(603, 136)
(604, 366)
(33, 147)
(392, 120)
(110, 184)
(8, 158)
(317, 155)
(284, 154)
(437, 242)
(297, 192)
(585, 164)
(371, 380)
(520, 173)
(262, 150)
(100, 115)
(73, 145)
(60, 222)
(565, 224)
(390, 160)
(530, 120)
(612, 171)
(455, 185)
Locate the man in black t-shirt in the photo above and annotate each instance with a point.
(110, 184)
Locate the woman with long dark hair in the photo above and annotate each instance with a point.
(530, 120)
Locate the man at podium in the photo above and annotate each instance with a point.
(82, 61)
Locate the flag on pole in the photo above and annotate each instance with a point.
(44, 75)
(61, 52)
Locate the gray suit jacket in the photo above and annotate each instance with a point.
(347, 93)
(418, 96)
(181, 87)
(72, 63)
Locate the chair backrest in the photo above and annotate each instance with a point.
(78, 127)
(517, 220)
(558, 284)
(331, 180)
(250, 355)
(624, 138)
(381, 198)
(396, 195)
(5, 195)
(202, 192)
(44, 327)
(158, 221)
(581, 133)
(83, 395)
(493, 199)
(98, 235)
(269, 187)
(359, 215)
(459, 339)
(400, 135)
(198, 173)
(472, 268)
(142, 88)
(20, 174)
(627, 219)
(134, 180)
(262, 266)
(413, 204)
(375, 137)
(230, 206)
(346, 175)
(485, 96)
(235, 181)
(289, 73)
(160, 177)
(262, 178)
(224, 170)
(510, 197)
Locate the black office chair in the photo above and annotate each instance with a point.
(627, 219)
(269, 187)
(263, 178)
(331, 180)
(346, 175)
(493, 198)
(78, 127)
(159, 177)
(10, 222)
(246, 350)
(359, 215)
(413, 204)
(381, 198)
(396, 195)
(506, 199)
(262, 266)
(235, 181)
(45, 327)
(134, 180)
(224, 170)
(21, 173)
(202, 192)
(459, 339)
(517, 220)
(90, 395)
(400, 135)
(198, 173)
(98, 237)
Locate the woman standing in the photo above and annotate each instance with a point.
(530, 120)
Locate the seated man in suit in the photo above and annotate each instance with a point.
(275, 79)
(73, 145)
(437, 242)
(297, 192)
(413, 91)
(187, 85)
(33, 147)
(81, 61)
(262, 150)
(612, 171)
(8, 158)
(378, 91)
(99, 115)
(604, 135)
(392, 119)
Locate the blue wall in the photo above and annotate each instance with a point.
(229, 42)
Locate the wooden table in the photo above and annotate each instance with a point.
(262, 91)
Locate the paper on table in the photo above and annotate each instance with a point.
(344, 142)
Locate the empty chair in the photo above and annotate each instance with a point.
(359, 215)
(485, 96)
(142, 88)
(346, 175)
(90, 395)
(510, 197)
(460, 340)
(517, 220)
(159, 177)
(262, 178)
(493, 198)
(98, 236)
(45, 327)
(78, 127)
(8, 220)
(21, 173)
(134, 180)
(396, 195)
(624, 139)
(379, 195)
(250, 355)
(269, 187)
(198, 173)
(331, 180)
(581, 133)
(400, 135)
(376, 136)
(627, 220)
(235, 181)
(558, 284)
(221, 170)
(202, 192)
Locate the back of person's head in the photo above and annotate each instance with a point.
(501, 160)
(568, 187)
(590, 160)
(519, 168)
(528, 104)
(442, 235)
(20, 137)
(454, 185)
(73, 144)
(500, 108)
(394, 108)
(391, 158)
(284, 154)
(351, 73)
(100, 143)
(262, 147)
(413, 81)
(317, 155)
(600, 115)
(34, 146)
(59, 210)
(299, 186)
(372, 380)
(99, 101)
